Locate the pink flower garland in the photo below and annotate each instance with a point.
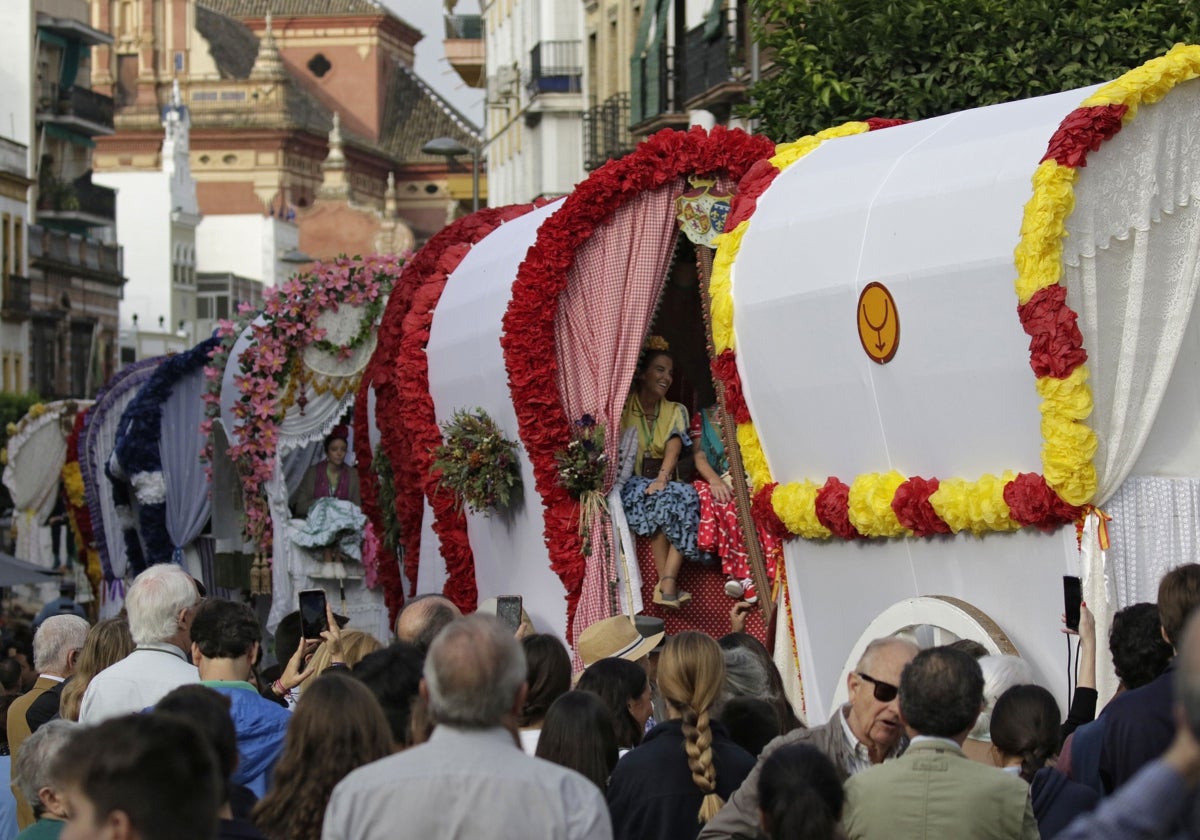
(270, 361)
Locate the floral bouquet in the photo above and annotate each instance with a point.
(581, 469)
(582, 464)
(477, 462)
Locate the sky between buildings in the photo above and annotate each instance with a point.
(431, 64)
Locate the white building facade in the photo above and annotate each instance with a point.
(157, 214)
(535, 98)
(16, 136)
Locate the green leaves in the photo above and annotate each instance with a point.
(838, 60)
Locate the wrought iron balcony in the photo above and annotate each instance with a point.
(464, 47)
(555, 68)
(464, 27)
(77, 108)
(79, 201)
(16, 302)
(656, 103)
(714, 60)
(70, 253)
(606, 131)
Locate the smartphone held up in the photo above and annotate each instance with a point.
(312, 613)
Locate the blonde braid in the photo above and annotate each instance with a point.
(698, 742)
(691, 674)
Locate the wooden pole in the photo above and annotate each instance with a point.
(737, 472)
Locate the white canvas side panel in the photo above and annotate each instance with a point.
(466, 371)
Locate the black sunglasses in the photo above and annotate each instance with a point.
(884, 692)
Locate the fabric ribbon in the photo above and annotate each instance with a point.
(1101, 530)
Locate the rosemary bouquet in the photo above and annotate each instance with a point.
(477, 462)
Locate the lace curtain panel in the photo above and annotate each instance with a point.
(1131, 271)
(1153, 531)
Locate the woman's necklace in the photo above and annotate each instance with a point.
(648, 422)
(333, 475)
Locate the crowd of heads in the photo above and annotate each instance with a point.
(472, 674)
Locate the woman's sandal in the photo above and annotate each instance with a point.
(671, 601)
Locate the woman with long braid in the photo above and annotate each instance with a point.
(686, 767)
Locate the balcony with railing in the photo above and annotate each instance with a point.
(606, 132)
(656, 102)
(15, 304)
(75, 108)
(464, 47)
(555, 67)
(14, 159)
(714, 72)
(70, 253)
(76, 204)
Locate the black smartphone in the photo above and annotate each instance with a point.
(312, 613)
(508, 610)
(1072, 598)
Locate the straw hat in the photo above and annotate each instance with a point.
(617, 637)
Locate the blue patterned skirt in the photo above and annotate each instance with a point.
(674, 510)
(333, 523)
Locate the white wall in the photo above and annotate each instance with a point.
(16, 70)
(248, 244)
(144, 228)
(545, 158)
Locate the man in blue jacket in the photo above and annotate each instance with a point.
(225, 642)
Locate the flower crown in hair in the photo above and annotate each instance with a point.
(339, 433)
(656, 342)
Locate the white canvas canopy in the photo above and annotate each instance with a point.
(933, 210)
(37, 451)
(466, 371)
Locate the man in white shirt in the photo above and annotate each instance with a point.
(161, 604)
(471, 778)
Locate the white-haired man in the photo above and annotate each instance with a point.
(161, 604)
(471, 778)
(56, 647)
(866, 731)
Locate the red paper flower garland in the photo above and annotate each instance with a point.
(404, 410)
(387, 571)
(1056, 343)
(542, 277)
(80, 515)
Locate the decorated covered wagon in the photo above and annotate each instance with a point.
(946, 430)
(958, 356)
(525, 325)
(281, 384)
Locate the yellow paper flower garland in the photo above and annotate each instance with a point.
(1069, 445)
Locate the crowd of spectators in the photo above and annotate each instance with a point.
(160, 725)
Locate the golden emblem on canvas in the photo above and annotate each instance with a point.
(878, 323)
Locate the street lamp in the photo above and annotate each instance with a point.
(446, 147)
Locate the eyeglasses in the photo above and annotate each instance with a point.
(884, 692)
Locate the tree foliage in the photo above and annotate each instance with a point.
(839, 60)
(12, 408)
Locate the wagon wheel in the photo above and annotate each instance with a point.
(928, 621)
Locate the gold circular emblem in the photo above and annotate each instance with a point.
(878, 323)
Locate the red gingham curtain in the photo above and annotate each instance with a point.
(601, 322)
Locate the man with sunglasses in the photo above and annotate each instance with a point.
(862, 733)
(934, 790)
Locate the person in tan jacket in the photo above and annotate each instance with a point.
(934, 790)
(56, 646)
